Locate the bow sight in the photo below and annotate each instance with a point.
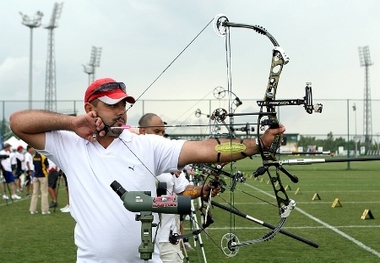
(307, 101)
(220, 115)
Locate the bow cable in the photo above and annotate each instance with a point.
(171, 63)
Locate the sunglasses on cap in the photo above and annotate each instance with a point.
(109, 87)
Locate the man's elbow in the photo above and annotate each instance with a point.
(13, 119)
(16, 123)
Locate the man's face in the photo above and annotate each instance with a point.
(112, 115)
(156, 126)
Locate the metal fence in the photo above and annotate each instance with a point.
(339, 116)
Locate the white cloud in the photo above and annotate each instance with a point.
(13, 78)
(140, 38)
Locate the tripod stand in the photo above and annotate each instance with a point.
(194, 225)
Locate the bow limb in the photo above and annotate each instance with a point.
(284, 203)
(279, 59)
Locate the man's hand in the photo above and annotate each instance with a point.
(270, 134)
(207, 188)
(89, 126)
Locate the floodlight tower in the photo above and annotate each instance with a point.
(50, 82)
(365, 61)
(94, 63)
(31, 23)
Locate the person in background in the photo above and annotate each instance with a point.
(12, 157)
(2, 186)
(40, 183)
(2, 179)
(66, 208)
(29, 169)
(95, 149)
(19, 167)
(176, 183)
(7, 171)
(53, 175)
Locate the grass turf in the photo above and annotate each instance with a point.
(340, 232)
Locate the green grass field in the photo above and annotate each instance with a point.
(340, 232)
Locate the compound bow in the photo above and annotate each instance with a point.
(266, 118)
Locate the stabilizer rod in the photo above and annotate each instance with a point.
(257, 221)
(330, 160)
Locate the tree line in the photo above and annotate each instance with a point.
(332, 144)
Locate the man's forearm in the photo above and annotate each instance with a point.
(195, 191)
(217, 151)
(38, 121)
(31, 125)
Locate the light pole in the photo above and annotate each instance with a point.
(31, 23)
(365, 61)
(356, 132)
(89, 70)
(94, 63)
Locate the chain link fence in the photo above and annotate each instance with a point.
(345, 119)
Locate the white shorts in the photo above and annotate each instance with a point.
(170, 253)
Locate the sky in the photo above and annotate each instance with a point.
(139, 40)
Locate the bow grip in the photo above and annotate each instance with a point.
(277, 139)
(275, 144)
(273, 124)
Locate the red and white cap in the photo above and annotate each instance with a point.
(108, 96)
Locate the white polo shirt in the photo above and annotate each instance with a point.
(175, 185)
(105, 230)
